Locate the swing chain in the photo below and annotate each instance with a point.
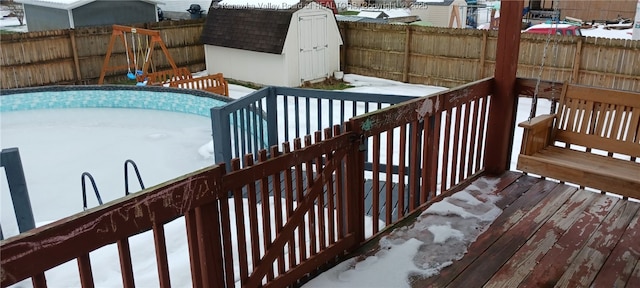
(534, 101)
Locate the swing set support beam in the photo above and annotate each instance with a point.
(119, 33)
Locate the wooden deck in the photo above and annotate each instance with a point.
(551, 235)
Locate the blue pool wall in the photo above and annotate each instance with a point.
(111, 96)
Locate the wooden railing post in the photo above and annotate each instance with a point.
(221, 126)
(355, 187)
(272, 118)
(503, 107)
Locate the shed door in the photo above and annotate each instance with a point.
(312, 35)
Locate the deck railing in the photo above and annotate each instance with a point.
(424, 147)
(257, 121)
(313, 213)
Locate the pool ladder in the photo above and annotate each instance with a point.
(87, 175)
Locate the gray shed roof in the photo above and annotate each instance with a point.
(260, 30)
(67, 4)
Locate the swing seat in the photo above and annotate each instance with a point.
(593, 140)
(131, 76)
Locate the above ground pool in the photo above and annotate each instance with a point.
(64, 131)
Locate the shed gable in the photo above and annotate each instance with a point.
(260, 30)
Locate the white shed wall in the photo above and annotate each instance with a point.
(272, 69)
(244, 65)
(292, 46)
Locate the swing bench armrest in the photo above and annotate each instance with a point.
(537, 133)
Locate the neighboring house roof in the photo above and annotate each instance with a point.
(353, 18)
(67, 4)
(260, 30)
(432, 3)
(373, 14)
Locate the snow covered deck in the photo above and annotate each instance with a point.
(549, 234)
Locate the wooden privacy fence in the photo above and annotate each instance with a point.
(424, 55)
(317, 191)
(451, 57)
(75, 56)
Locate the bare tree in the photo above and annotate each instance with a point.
(16, 10)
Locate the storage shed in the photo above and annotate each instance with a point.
(43, 15)
(438, 12)
(280, 47)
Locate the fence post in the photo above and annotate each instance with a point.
(343, 50)
(74, 50)
(576, 62)
(221, 133)
(10, 160)
(483, 54)
(407, 56)
(272, 117)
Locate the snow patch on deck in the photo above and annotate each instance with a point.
(439, 236)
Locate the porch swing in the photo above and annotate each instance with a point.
(592, 139)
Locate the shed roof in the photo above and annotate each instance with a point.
(260, 30)
(67, 4)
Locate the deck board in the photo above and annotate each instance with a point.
(514, 197)
(623, 259)
(550, 234)
(524, 227)
(591, 258)
(526, 258)
(560, 256)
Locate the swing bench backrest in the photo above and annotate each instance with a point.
(214, 83)
(160, 78)
(601, 119)
(593, 140)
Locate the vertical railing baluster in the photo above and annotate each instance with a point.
(474, 138)
(86, 275)
(161, 255)
(124, 252)
(401, 170)
(375, 190)
(311, 213)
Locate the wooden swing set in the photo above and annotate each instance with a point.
(139, 58)
(140, 65)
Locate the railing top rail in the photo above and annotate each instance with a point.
(343, 95)
(239, 178)
(45, 247)
(546, 89)
(416, 109)
(246, 100)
